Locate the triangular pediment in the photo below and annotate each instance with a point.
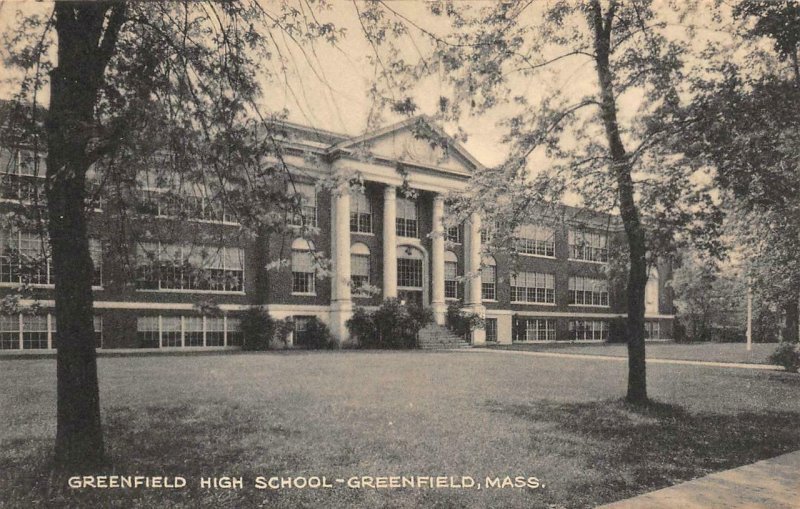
(416, 141)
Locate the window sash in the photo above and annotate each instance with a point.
(409, 273)
(304, 283)
(406, 227)
(491, 329)
(588, 291)
(536, 329)
(588, 246)
(589, 330)
(533, 287)
(189, 267)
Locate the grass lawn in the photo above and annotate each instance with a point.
(718, 352)
(343, 414)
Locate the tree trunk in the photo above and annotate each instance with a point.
(84, 47)
(790, 332)
(621, 168)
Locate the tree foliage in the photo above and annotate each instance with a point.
(602, 142)
(741, 126)
(167, 93)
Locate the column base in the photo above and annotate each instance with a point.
(340, 313)
(439, 312)
(478, 336)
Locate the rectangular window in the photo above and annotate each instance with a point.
(360, 213)
(170, 331)
(96, 252)
(28, 332)
(450, 280)
(301, 324)
(234, 331)
(193, 331)
(536, 329)
(588, 330)
(588, 246)
(34, 332)
(177, 331)
(536, 240)
(453, 234)
(194, 204)
(307, 202)
(303, 278)
(407, 225)
(533, 287)
(189, 267)
(215, 331)
(409, 273)
(9, 332)
(34, 259)
(147, 332)
(97, 325)
(359, 271)
(652, 330)
(489, 282)
(585, 291)
(491, 329)
(22, 175)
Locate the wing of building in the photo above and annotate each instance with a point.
(385, 237)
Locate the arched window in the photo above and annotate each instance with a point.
(359, 266)
(489, 278)
(303, 280)
(651, 292)
(450, 275)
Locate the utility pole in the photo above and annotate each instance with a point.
(749, 318)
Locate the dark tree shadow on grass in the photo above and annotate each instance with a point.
(640, 449)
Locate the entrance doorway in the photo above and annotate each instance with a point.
(411, 278)
(410, 297)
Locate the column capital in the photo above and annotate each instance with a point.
(389, 191)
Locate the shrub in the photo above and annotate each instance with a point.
(392, 325)
(361, 326)
(462, 322)
(258, 329)
(318, 336)
(618, 331)
(788, 356)
(282, 330)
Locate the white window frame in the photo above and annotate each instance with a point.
(299, 246)
(592, 242)
(220, 254)
(588, 285)
(534, 278)
(532, 238)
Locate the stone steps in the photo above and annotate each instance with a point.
(436, 337)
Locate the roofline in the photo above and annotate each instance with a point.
(463, 152)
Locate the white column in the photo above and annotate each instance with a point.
(473, 265)
(437, 261)
(341, 303)
(389, 242)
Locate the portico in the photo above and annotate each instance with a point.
(413, 260)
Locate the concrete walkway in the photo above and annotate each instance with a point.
(713, 364)
(768, 484)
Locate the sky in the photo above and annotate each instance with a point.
(333, 94)
(327, 87)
